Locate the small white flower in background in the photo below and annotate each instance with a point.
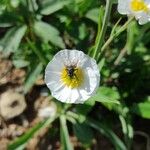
(47, 112)
(140, 9)
(72, 76)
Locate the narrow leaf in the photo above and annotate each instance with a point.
(106, 131)
(21, 142)
(20, 63)
(50, 6)
(32, 77)
(12, 39)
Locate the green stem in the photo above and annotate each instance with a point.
(124, 27)
(27, 2)
(37, 52)
(32, 38)
(101, 35)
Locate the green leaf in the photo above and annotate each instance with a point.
(32, 77)
(127, 128)
(8, 19)
(106, 131)
(65, 141)
(85, 108)
(50, 6)
(48, 33)
(83, 132)
(93, 14)
(106, 95)
(21, 142)
(12, 39)
(142, 109)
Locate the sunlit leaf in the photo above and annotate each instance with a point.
(106, 95)
(48, 33)
(96, 15)
(93, 14)
(142, 109)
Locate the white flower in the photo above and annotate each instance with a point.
(72, 76)
(140, 9)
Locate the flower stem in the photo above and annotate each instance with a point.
(101, 35)
(112, 37)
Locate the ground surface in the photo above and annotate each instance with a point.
(13, 79)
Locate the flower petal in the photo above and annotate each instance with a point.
(144, 19)
(123, 7)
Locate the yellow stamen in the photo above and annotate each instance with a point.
(72, 82)
(139, 5)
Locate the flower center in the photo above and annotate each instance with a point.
(138, 5)
(72, 77)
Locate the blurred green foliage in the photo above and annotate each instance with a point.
(32, 31)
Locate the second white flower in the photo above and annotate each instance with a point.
(140, 9)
